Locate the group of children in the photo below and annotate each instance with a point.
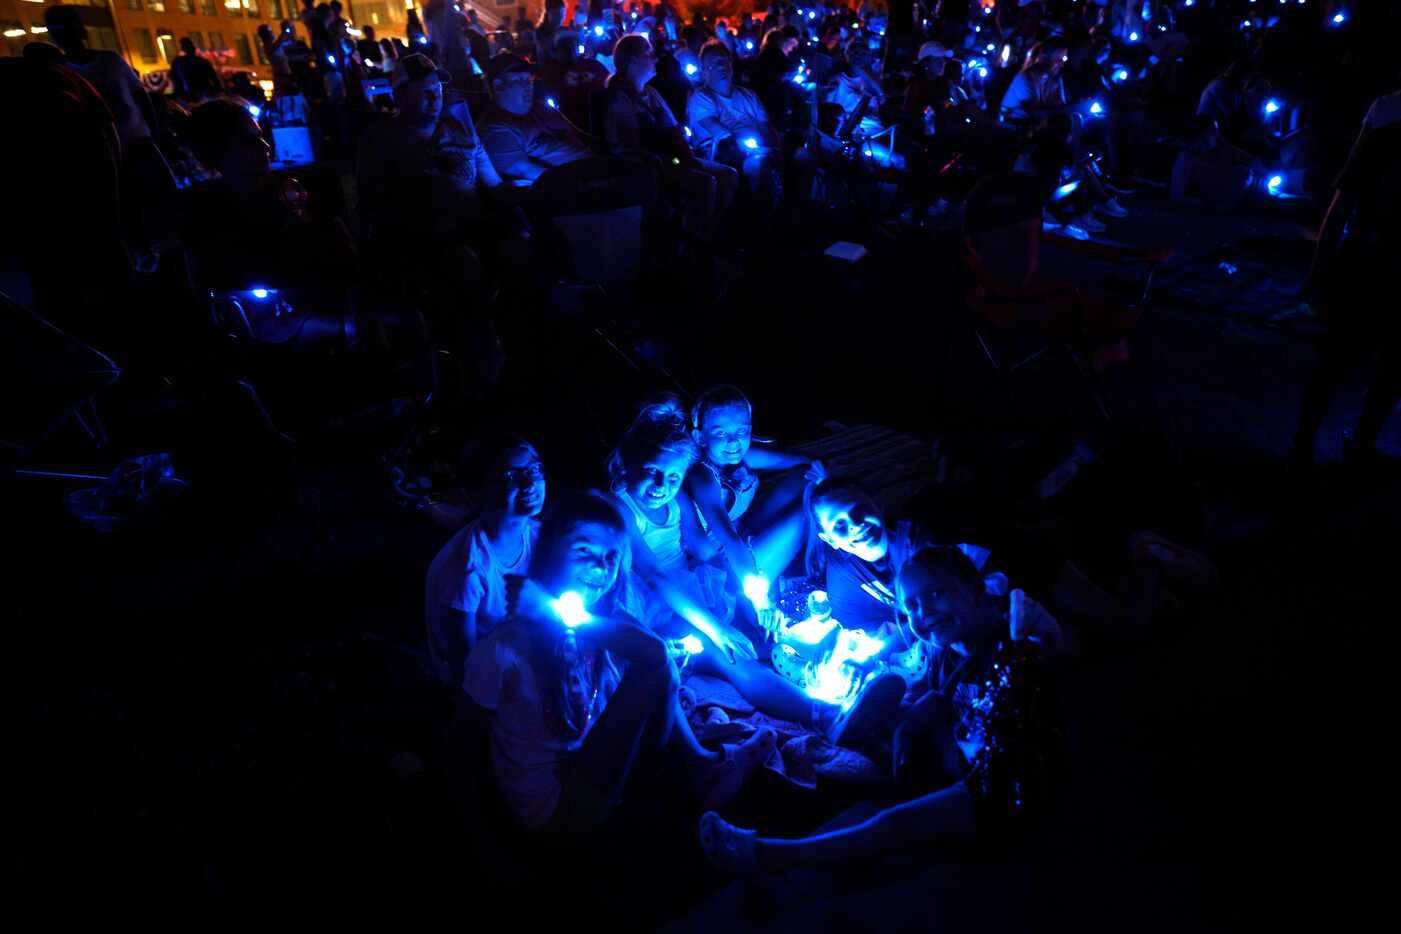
(566, 633)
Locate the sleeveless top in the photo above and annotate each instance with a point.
(663, 539)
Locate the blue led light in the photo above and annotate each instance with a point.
(422, 40)
(571, 610)
(1121, 75)
(1133, 37)
(1271, 107)
(1096, 109)
(598, 31)
(1066, 190)
(259, 293)
(751, 143)
(254, 111)
(689, 134)
(1189, 3)
(1339, 19)
(749, 45)
(690, 643)
(579, 49)
(330, 59)
(1245, 24)
(550, 102)
(1274, 184)
(982, 71)
(691, 69)
(812, 14)
(756, 586)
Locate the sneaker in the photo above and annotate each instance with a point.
(1087, 221)
(1076, 232)
(876, 707)
(1112, 208)
(1049, 222)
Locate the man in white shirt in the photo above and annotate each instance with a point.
(113, 78)
(730, 122)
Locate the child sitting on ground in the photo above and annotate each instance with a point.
(760, 534)
(466, 589)
(577, 689)
(670, 554)
(989, 733)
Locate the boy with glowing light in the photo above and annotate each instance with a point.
(465, 596)
(576, 691)
(943, 603)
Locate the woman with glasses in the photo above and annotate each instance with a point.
(466, 588)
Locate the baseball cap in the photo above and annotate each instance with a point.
(933, 50)
(416, 67)
(504, 63)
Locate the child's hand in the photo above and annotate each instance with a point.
(816, 473)
(734, 644)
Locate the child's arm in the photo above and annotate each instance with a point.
(768, 459)
(704, 490)
(673, 593)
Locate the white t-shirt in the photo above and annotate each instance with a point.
(121, 90)
(467, 576)
(528, 747)
(1028, 88)
(740, 110)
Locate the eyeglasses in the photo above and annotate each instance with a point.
(530, 472)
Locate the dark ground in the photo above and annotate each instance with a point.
(208, 710)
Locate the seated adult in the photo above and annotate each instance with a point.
(426, 169)
(639, 125)
(571, 79)
(729, 120)
(524, 137)
(1037, 89)
(466, 588)
(249, 226)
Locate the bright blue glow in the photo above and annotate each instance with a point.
(812, 14)
(749, 45)
(834, 680)
(702, 622)
(982, 71)
(1274, 184)
(1006, 52)
(1096, 109)
(1190, 3)
(1121, 75)
(550, 102)
(752, 143)
(690, 643)
(810, 631)
(987, 11)
(756, 586)
(691, 68)
(254, 111)
(1133, 37)
(579, 49)
(259, 293)
(689, 134)
(422, 40)
(991, 48)
(1066, 190)
(598, 31)
(571, 610)
(1339, 19)
(1245, 24)
(330, 59)
(1271, 107)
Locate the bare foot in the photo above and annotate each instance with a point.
(724, 780)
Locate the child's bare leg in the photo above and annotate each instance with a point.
(767, 690)
(780, 523)
(943, 816)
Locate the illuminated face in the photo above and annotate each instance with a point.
(850, 522)
(515, 92)
(420, 102)
(936, 607)
(724, 438)
(643, 68)
(718, 70)
(656, 481)
(586, 559)
(246, 154)
(518, 484)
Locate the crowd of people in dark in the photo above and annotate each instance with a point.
(439, 207)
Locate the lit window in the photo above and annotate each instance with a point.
(233, 7)
(244, 50)
(146, 46)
